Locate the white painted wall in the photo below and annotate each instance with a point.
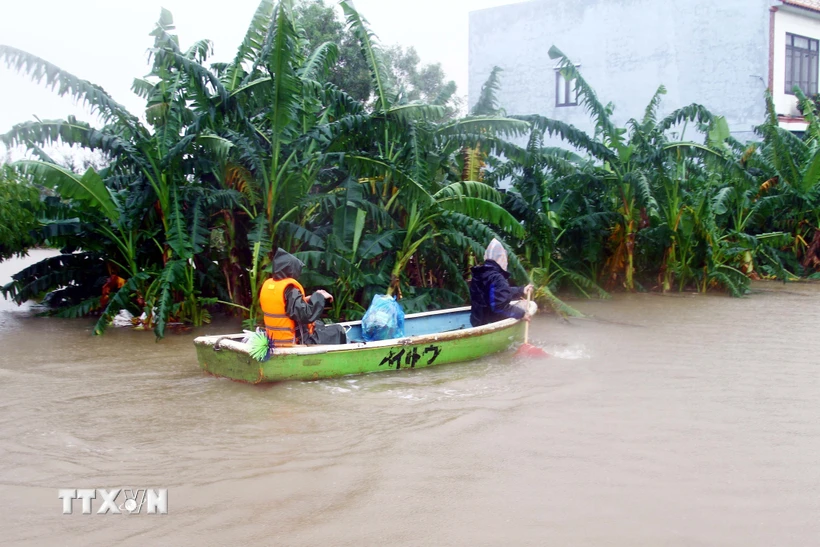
(713, 52)
(792, 21)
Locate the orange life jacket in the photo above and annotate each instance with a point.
(280, 328)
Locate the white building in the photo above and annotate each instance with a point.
(719, 53)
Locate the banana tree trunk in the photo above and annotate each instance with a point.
(630, 250)
(668, 263)
(629, 239)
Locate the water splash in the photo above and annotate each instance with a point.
(570, 353)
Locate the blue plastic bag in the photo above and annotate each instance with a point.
(384, 319)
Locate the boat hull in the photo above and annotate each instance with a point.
(226, 356)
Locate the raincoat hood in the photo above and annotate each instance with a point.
(286, 265)
(496, 253)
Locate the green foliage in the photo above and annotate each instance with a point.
(317, 140)
(64, 83)
(88, 188)
(19, 205)
(426, 83)
(487, 104)
(120, 301)
(321, 25)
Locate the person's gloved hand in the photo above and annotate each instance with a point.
(532, 308)
(528, 307)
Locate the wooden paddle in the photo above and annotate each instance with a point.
(527, 349)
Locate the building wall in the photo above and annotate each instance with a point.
(713, 52)
(793, 21)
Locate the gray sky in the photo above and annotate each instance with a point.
(105, 41)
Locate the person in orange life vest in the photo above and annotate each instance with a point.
(290, 316)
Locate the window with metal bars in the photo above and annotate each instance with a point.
(565, 92)
(801, 64)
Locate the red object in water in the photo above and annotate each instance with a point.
(528, 350)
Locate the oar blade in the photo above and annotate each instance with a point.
(528, 350)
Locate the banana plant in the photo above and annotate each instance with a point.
(790, 197)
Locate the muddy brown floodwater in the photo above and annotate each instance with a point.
(688, 420)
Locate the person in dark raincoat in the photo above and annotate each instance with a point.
(283, 293)
(491, 293)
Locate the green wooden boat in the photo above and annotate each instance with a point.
(432, 338)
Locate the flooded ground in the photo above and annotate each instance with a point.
(681, 420)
